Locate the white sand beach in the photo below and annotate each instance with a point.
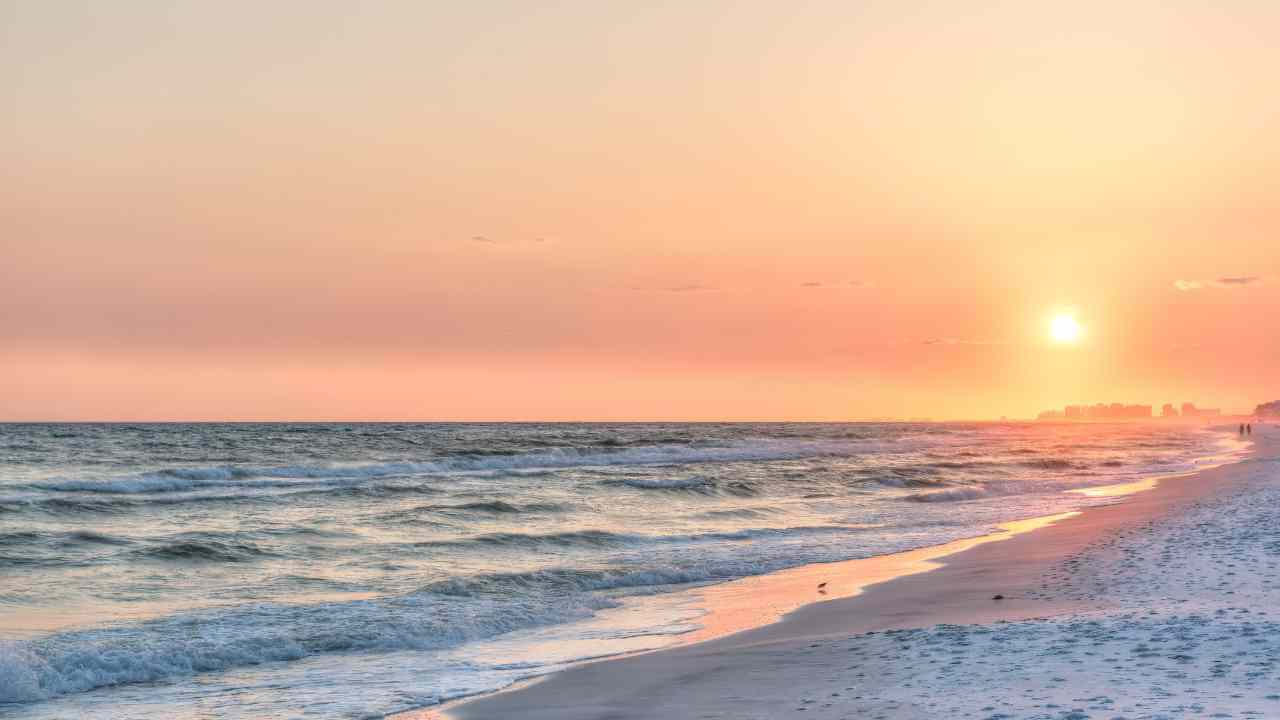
(1156, 606)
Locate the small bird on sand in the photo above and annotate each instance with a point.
(821, 585)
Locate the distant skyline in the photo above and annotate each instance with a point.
(668, 211)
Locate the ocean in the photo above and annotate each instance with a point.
(355, 570)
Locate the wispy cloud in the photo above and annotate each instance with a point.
(700, 287)
(691, 287)
(851, 283)
(1237, 281)
(489, 239)
(1222, 282)
(962, 341)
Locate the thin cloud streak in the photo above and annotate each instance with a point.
(963, 341)
(1222, 282)
(689, 288)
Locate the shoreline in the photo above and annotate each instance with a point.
(954, 583)
(736, 606)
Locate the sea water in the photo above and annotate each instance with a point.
(355, 570)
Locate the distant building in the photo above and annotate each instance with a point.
(1190, 410)
(1169, 410)
(1119, 411)
(1100, 411)
(1271, 409)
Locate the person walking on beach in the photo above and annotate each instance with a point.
(1248, 429)
(1241, 429)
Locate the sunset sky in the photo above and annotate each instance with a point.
(660, 210)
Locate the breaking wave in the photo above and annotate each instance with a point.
(224, 551)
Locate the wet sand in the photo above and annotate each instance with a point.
(758, 672)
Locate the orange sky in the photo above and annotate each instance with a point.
(686, 210)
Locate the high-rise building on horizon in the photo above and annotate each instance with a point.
(1190, 410)
(1099, 411)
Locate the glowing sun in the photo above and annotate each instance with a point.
(1065, 329)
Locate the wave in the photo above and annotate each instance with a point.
(1054, 464)
(205, 550)
(972, 492)
(445, 614)
(176, 480)
(952, 492)
(738, 513)
(907, 481)
(697, 484)
(74, 537)
(59, 505)
(44, 549)
(499, 507)
(559, 581)
(366, 490)
(180, 479)
(961, 464)
(690, 483)
(423, 513)
(20, 537)
(211, 641)
(592, 538)
(116, 503)
(94, 537)
(589, 538)
(106, 504)
(935, 475)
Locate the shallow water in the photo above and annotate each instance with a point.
(253, 570)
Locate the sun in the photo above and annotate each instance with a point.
(1064, 329)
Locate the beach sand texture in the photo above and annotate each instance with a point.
(1154, 607)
